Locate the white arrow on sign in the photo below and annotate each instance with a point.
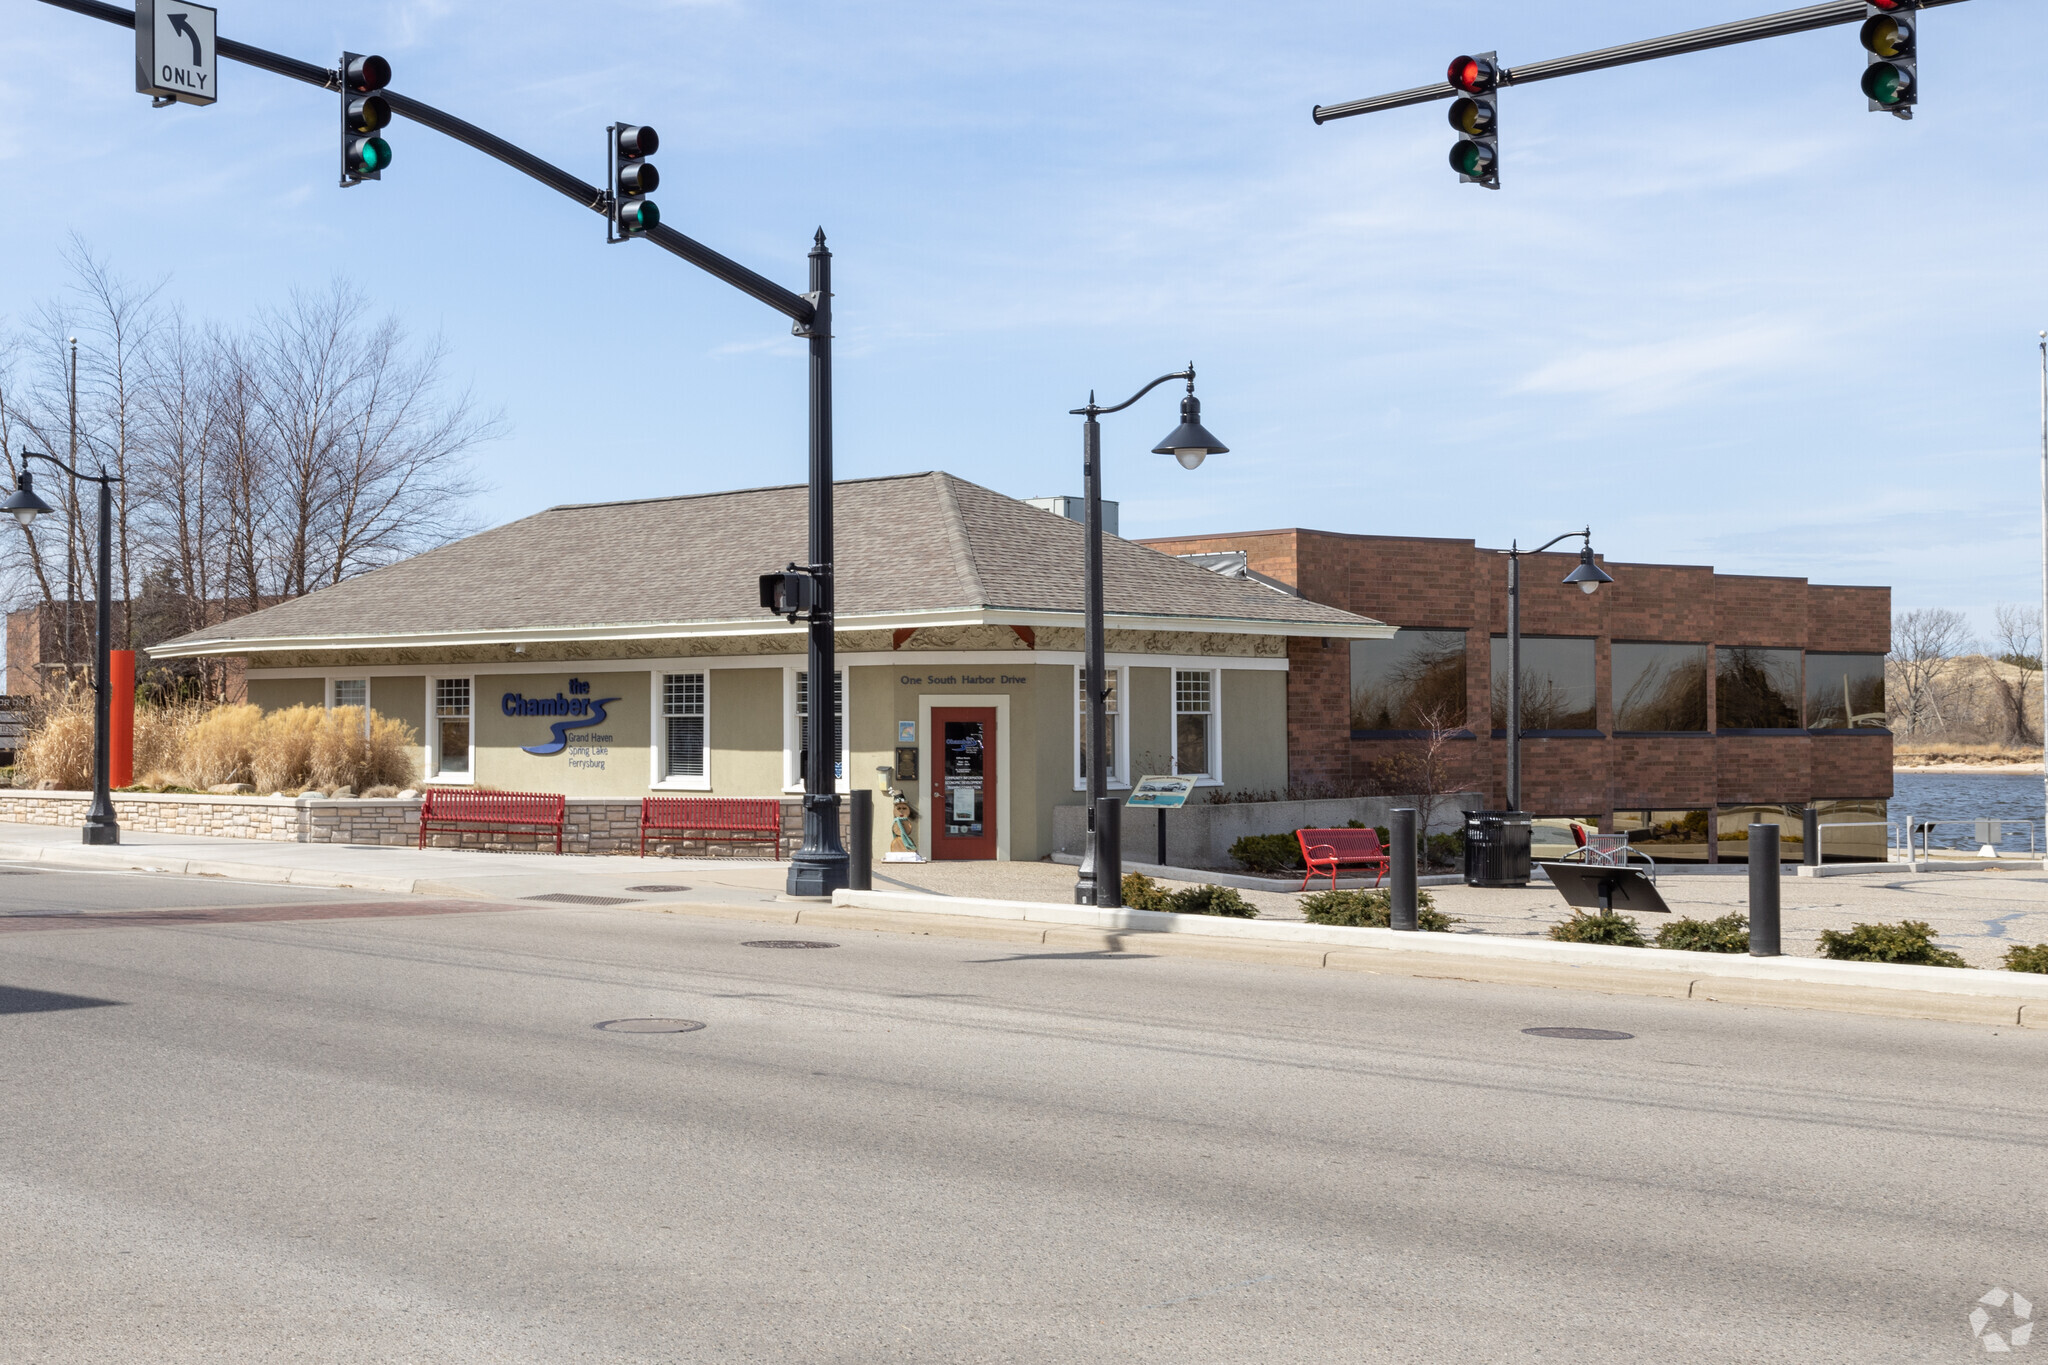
(175, 56)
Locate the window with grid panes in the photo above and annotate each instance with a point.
(682, 709)
(451, 724)
(1194, 723)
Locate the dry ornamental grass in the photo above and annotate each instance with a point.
(291, 750)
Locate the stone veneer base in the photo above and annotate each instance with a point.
(592, 826)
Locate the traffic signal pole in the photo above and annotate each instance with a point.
(1648, 50)
(820, 867)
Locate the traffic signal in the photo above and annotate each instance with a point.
(633, 178)
(1891, 74)
(791, 593)
(364, 113)
(1475, 114)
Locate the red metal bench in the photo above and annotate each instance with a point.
(733, 821)
(1326, 850)
(459, 808)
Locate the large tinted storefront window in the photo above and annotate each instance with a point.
(1660, 687)
(1415, 681)
(1756, 689)
(1557, 683)
(1844, 691)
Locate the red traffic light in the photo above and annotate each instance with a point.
(635, 143)
(1891, 6)
(1474, 75)
(365, 74)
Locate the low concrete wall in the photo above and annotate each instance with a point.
(1200, 834)
(588, 826)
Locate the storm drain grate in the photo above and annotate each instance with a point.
(1606, 1035)
(564, 898)
(649, 1025)
(657, 889)
(786, 943)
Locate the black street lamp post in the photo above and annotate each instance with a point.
(1589, 576)
(100, 825)
(1190, 443)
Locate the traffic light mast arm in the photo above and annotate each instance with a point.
(787, 302)
(1648, 50)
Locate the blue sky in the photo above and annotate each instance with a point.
(1719, 311)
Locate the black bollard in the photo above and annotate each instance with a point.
(1109, 852)
(1809, 834)
(1401, 875)
(860, 840)
(1765, 880)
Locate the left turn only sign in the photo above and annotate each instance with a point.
(175, 57)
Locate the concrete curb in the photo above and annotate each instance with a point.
(1244, 881)
(118, 859)
(1960, 995)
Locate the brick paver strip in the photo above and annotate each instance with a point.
(245, 914)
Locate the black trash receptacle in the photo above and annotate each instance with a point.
(1496, 848)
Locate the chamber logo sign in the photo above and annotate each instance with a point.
(582, 710)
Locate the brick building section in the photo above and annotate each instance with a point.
(1454, 585)
(36, 651)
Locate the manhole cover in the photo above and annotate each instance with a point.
(1597, 1034)
(657, 890)
(649, 1025)
(786, 943)
(564, 898)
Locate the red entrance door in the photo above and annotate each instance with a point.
(963, 821)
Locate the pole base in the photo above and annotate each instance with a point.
(818, 872)
(102, 835)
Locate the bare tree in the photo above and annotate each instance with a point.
(2017, 642)
(1924, 643)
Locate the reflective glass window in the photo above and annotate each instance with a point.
(1557, 683)
(1407, 682)
(1660, 687)
(1845, 691)
(1756, 689)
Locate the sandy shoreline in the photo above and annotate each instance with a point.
(2011, 769)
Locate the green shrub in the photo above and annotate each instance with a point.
(2020, 958)
(1909, 941)
(1267, 853)
(1728, 934)
(1372, 910)
(1211, 900)
(1142, 893)
(1621, 931)
(1447, 850)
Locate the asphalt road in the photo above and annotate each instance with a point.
(288, 1133)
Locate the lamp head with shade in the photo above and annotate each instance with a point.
(1190, 442)
(24, 503)
(1589, 576)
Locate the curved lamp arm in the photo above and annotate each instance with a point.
(1093, 410)
(101, 477)
(1585, 535)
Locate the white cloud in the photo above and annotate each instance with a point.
(1650, 375)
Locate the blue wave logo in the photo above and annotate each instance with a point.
(562, 728)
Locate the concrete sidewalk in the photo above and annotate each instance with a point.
(435, 871)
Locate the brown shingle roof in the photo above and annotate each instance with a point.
(909, 545)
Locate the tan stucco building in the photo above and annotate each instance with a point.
(618, 650)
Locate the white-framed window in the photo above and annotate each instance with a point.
(350, 692)
(685, 737)
(453, 741)
(797, 733)
(1197, 739)
(1117, 728)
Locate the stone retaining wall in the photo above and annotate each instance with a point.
(589, 826)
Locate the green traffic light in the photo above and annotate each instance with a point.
(638, 215)
(1474, 159)
(368, 155)
(1887, 83)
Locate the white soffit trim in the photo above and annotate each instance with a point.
(1364, 629)
(907, 661)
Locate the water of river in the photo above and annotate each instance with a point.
(1970, 796)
